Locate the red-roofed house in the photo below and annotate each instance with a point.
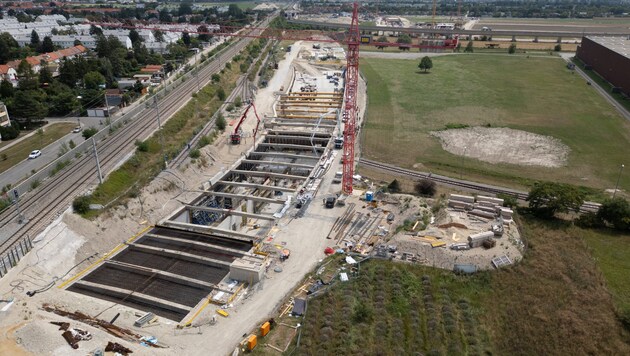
(9, 74)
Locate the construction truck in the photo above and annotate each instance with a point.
(338, 142)
(329, 202)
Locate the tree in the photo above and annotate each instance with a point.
(426, 187)
(204, 37)
(93, 80)
(186, 39)
(45, 76)
(558, 47)
(6, 89)
(469, 47)
(9, 48)
(404, 38)
(165, 16)
(95, 31)
(221, 123)
(549, 198)
(512, 48)
(47, 45)
(81, 204)
(221, 94)
(394, 186)
(87, 133)
(382, 39)
(184, 9)
(29, 106)
(34, 39)
(615, 212)
(158, 35)
(135, 37)
(425, 63)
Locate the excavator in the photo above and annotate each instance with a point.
(235, 137)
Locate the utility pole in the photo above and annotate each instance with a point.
(98, 165)
(17, 205)
(109, 116)
(617, 184)
(157, 111)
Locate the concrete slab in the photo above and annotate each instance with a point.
(204, 229)
(267, 174)
(231, 212)
(256, 186)
(279, 163)
(179, 254)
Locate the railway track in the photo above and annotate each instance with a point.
(520, 195)
(45, 204)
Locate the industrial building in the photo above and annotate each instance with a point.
(609, 57)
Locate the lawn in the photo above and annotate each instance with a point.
(20, 151)
(554, 302)
(536, 94)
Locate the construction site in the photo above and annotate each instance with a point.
(207, 262)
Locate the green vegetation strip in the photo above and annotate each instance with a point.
(147, 162)
(619, 98)
(11, 156)
(533, 94)
(554, 302)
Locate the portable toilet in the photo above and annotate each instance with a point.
(369, 196)
(251, 342)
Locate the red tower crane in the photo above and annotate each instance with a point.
(350, 100)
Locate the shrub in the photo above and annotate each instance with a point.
(230, 108)
(35, 184)
(143, 146)
(221, 123)
(71, 144)
(238, 102)
(615, 212)
(216, 77)
(81, 205)
(195, 153)
(221, 94)
(509, 201)
(426, 187)
(558, 48)
(87, 133)
(512, 49)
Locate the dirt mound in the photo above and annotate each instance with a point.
(503, 145)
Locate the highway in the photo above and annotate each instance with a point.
(43, 205)
(464, 33)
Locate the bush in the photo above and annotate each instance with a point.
(87, 133)
(512, 49)
(143, 146)
(221, 123)
(509, 201)
(228, 65)
(216, 77)
(615, 212)
(426, 187)
(230, 108)
(81, 205)
(9, 132)
(195, 153)
(71, 144)
(238, 102)
(558, 48)
(221, 94)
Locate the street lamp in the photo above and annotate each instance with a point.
(461, 165)
(80, 110)
(618, 177)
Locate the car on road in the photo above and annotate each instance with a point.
(77, 129)
(35, 154)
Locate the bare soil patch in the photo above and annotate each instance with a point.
(504, 145)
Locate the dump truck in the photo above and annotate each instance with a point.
(329, 202)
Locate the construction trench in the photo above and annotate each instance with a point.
(209, 249)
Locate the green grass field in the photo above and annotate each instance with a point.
(20, 151)
(554, 302)
(536, 94)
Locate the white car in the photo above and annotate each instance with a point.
(77, 129)
(35, 154)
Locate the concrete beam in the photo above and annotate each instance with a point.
(231, 212)
(171, 277)
(237, 253)
(256, 186)
(290, 146)
(314, 105)
(298, 124)
(283, 155)
(179, 254)
(297, 133)
(204, 228)
(296, 137)
(245, 197)
(267, 174)
(278, 163)
(132, 296)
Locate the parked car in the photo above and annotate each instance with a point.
(77, 129)
(35, 154)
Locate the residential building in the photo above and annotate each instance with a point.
(9, 74)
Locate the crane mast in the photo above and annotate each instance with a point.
(350, 101)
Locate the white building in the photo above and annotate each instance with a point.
(9, 74)
(4, 116)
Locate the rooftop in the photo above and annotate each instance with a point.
(620, 45)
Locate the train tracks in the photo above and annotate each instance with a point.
(45, 204)
(477, 187)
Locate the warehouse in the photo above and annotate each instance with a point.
(609, 57)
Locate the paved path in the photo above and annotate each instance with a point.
(622, 110)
